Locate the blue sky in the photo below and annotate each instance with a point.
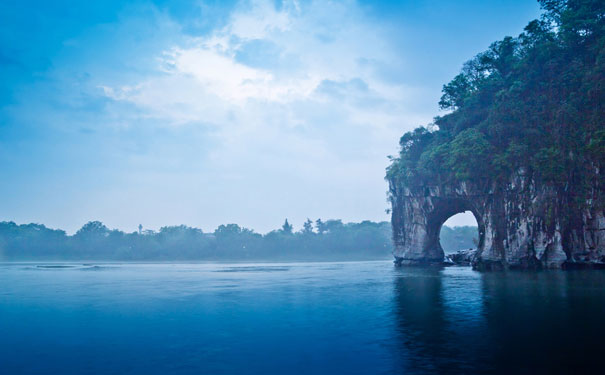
(211, 112)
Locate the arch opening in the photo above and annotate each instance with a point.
(459, 232)
(453, 211)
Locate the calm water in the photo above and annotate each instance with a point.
(303, 318)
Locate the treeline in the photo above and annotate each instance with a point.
(458, 238)
(319, 240)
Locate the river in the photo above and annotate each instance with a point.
(296, 318)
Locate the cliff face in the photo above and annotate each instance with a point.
(522, 147)
(521, 224)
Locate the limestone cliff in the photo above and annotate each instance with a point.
(522, 224)
(521, 146)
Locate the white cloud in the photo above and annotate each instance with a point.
(292, 99)
(328, 41)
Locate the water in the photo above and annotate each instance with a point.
(302, 318)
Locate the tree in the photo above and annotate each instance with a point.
(532, 103)
(93, 228)
(307, 227)
(352, 241)
(321, 226)
(286, 228)
(467, 155)
(228, 230)
(333, 225)
(455, 92)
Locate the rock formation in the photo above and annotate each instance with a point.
(521, 224)
(461, 257)
(522, 147)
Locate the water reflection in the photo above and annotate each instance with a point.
(548, 321)
(349, 318)
(439, 320)
(457, 321)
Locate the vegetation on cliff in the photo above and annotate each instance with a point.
(534, 103)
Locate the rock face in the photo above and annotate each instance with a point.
(521, 224)
(461, 257)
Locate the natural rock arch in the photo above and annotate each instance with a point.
(418, 215)
(439, 211)
(520, 225)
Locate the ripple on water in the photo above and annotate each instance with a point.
(255, 269)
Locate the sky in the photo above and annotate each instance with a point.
(211, 112)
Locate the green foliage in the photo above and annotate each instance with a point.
(535, 102)
(548, 161)
(287, 227)
(227, 230)
(455, 92)
(40, 241)
(307, 227)
(94, 229)
(338, 241)
(321, 227)
(467, 153)
(94, 241)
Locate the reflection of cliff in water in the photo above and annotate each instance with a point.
(439, 322)
(455, 321)
(548, 321)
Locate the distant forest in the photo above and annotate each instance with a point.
(330, 240)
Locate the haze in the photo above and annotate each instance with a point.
(204, 113)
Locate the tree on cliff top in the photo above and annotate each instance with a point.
(535, 102)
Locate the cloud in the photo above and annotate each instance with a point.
(340, 88)
(314, 53)
(292, 101)
(206, 112)
(277, 111)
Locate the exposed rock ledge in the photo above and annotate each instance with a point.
(521, 225)
(461, 257)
